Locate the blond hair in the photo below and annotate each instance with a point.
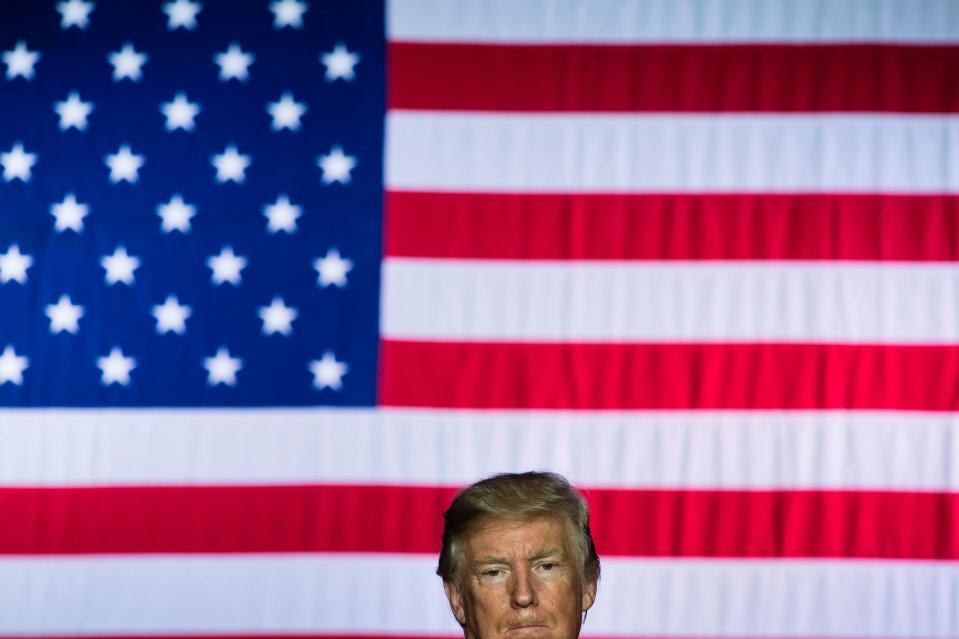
(517, 496)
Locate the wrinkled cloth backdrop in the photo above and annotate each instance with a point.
(277, 277)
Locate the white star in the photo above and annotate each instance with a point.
(73, 112)
(17, 163)
(171, 316)
(119, 266)
(116, 368)
(336, 166)
(14, 265)
(12, 366)
(277, 317)
(127, 62)
(179, 113)
(176, 215)
(327, 372)
(339, 63)
(64, 315)
(286, 112)
(282, 215)
(222, 368)
(181, 13)
(20, 61)
(332, 269)
(234, 63)
(69, 214)
(288, 13)
(230, 165)
(74, 13)
(226, 267)
(124, 165)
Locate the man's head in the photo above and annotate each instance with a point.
(518, 560)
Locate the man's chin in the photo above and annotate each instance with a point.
(530, 631)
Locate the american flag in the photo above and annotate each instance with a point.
(278, 276)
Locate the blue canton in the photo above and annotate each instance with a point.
(190, 202)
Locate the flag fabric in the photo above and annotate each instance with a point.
(276, 278)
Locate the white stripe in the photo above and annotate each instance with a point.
(448, 151)
(487, 300)
(667, 449)
(695, 21)
(391, 594)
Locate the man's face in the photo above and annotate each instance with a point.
(519, 580)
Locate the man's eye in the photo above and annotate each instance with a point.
(492, 572)
(549, 565)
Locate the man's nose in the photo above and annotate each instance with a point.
(524, 588)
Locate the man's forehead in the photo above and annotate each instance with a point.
(510, 537)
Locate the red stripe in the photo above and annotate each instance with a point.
(669, 376)
(251, 635)
(777, 524)
(674, 523)
(212, 519)
(673, 227)
(693, 78)
(585, 635)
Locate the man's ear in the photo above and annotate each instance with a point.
(456, 601)
(589, 595)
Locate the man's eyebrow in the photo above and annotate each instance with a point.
(489, 559)
(542, 553)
